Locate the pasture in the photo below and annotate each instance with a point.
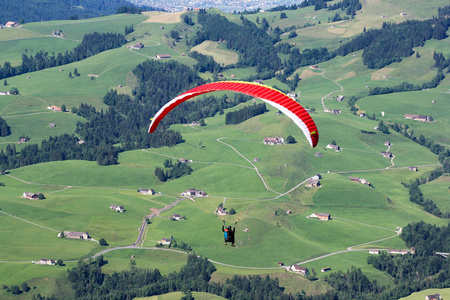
(79, 193)
(222, 56)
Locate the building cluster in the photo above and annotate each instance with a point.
(44, 261)
(146, 191)
(273, 140)
(314, 181)
(220, 211)
(75, 235)
(417, 117)
(193, 192)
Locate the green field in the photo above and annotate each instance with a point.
(213, 49)
(439, 192)
(79, 193)
(445, 294)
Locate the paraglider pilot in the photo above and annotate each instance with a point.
(228, 233)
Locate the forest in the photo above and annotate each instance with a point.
(172, 170)
(245, 113)
(92, 44)
(254, 45)
(25, 11)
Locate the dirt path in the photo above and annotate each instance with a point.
(329, 94)
(5, 213)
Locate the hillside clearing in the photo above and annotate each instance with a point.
(225, 57)
(162, 17)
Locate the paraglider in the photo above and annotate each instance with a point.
(279, 100)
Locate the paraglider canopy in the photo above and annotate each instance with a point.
(279, 100)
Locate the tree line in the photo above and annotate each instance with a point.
(92, 44)
(5, 130)
(23, 11)
(172, 170)
(350, 6)
(254, 45)
(393, 42)
(245, 113)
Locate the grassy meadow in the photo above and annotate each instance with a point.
(79, 193)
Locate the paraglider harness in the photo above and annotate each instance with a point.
(228, 233)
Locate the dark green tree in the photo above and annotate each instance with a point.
(41, 196)
(103, 242)
(63, 108)
(15, 290)
(60, 262)
(75, 72)
(25, 287)
(5, 83)
(14, 91)
(290, 140)
(232, 211)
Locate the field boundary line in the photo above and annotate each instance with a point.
(29, 222)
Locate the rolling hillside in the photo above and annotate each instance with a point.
(272, 202)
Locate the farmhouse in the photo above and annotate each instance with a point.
(165, 241)
(280, 264)
(433, 297)
(183, 160)
(193, 192)
(326, 110)
(162, 56)
(318, 154)
(321, 216)
(11, 24)
(299, 270)
(176, 217)
(313, 183)
(316, 177)
(414, 169)
(220, 211)
(256, 159)
(416, 117)
(325, 269)
(340, 98)
(259, 81)
(360, 180)
(45, 261)
(147, 191)
(315, 67)
(387, 143)
(386, 154)
(55, 108)
(374, 251)
(291, 95)
(4, 93)
(398, 251)
(273, 140)
(51, 125)
(362, 115)
(336, 111)
(335, 147)
(76, 235)
(29, 195)
(117, 208)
